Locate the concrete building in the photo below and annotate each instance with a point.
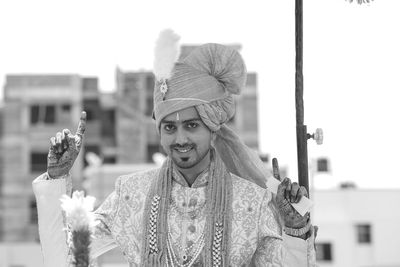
(135, 129)
(34, 106)
(1, 168)
(245, 121)
(358, 227)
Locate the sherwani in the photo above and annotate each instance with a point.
(256, 237)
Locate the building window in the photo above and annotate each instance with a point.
(90, 115)
(64, 114)
(322, 165)
(50, 114)
(364, 233)
(92, 108)
(33, 212)
(150, 84)
(108, 125)
(149, 106)
(66, 108)
(43, 114)
(35, 114)
(38, 161)
(324, 251)
(109, 160)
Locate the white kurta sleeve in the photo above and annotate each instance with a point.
(299, 252)
(53, 237)
(276, 248)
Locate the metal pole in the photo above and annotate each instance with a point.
(301, 129)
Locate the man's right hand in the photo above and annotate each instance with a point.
(64, 149)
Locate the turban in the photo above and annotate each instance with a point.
(210, 74)
(206, 79)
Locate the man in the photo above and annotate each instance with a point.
(206, 205)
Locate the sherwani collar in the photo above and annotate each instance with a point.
(201, 179)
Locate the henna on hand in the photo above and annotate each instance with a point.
(64, 149)
(291, 193)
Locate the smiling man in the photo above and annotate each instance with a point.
(187, 141)
(207, 204)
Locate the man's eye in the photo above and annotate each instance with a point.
(192, 125)
(169, 127)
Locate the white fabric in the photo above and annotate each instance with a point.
(52, 237)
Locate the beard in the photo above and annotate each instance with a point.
(190, 159)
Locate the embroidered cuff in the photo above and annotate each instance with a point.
(299, 231)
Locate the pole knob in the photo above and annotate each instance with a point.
(318, 136)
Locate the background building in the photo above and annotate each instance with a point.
(1, 168)
(135, 130)
(357, 227)
(34, 106)
(120, 132)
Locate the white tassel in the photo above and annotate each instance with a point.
(166, 54)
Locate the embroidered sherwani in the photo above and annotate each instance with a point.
(256, 232)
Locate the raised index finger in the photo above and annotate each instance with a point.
(275, 169)
(82, 124)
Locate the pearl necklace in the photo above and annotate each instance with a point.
(173, 258)
(200, 241)
(189, 248)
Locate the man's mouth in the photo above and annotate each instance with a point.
(184, 149)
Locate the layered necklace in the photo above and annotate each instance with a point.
(186, 255)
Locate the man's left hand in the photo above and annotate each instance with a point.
(289, 192)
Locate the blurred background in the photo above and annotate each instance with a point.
(60, 57)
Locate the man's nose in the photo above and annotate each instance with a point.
(181, 137)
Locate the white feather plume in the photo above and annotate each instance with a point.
(166, 53)
(79, 211)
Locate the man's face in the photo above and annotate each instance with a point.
(185, 138)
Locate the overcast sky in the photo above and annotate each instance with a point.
(351, 64)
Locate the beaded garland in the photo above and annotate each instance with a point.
(153, 224)
(158, 248)
(217, 244)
